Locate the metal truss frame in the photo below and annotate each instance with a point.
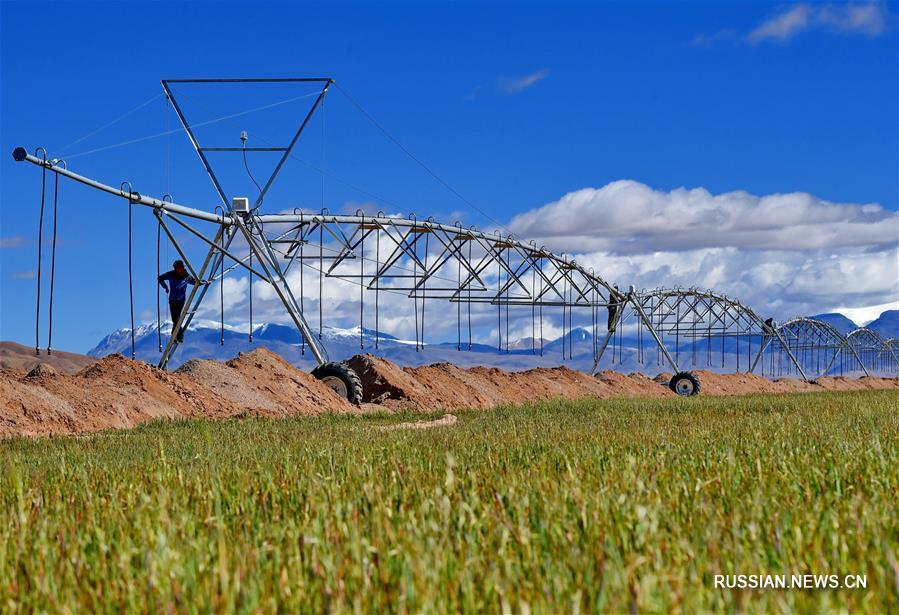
(874, 352)
(425, 259)
(285, 150)
(808, 339)
(692, 314)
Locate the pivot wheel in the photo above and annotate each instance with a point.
(684, 383)
(341, 379)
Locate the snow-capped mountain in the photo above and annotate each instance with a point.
(887, 324)
(205, 340)
(839, 322)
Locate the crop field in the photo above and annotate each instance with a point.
(616, 505)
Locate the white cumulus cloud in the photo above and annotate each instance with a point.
(629, 217)
(784, 254)
(867, 18)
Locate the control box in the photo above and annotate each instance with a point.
(240, 205)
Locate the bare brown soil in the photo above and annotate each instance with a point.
(751, 384)
(116, 392)
(21, 358)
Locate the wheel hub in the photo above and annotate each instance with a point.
(684, 387)
(335, 384)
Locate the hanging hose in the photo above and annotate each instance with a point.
(377, 281)
(677, 334)
(251, 291)
(131, 194)
(40, 245)
(414, 279)
(459, 289)
(508, 291)
(158, 273)
(469, 296)
(564, 302)
(165, 197)
(533, 299)
(361, 282)
(424, 284)
(749, 352)
(593, 324)
(723, 339)
(222, 277)
(321, 270)
(540, 309)
(499, 307)
(53, 258)
(640, 351)
(302, 275)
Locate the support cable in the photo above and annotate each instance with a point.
(112, 123)
(197, 125)
(418, 161)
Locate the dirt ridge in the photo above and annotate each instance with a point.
(116, 392)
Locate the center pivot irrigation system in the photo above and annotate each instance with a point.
(425, 260)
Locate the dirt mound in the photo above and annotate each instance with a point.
(840, 383)
(735, 384)
(42, 370)
(386, 383)
(116, 392)
(228, 383)
(289, 391)
(30, 410)
(119, 392)
(632, 385)
(19, 358)
(447, 386)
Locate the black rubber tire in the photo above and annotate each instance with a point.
(688, 381)
(352, 384)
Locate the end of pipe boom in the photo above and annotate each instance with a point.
(19, 154)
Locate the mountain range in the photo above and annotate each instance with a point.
(206, 340)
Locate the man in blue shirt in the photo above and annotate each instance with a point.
(175, 283)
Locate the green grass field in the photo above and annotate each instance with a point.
(554, 507)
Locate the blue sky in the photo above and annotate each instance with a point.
(515, 105)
